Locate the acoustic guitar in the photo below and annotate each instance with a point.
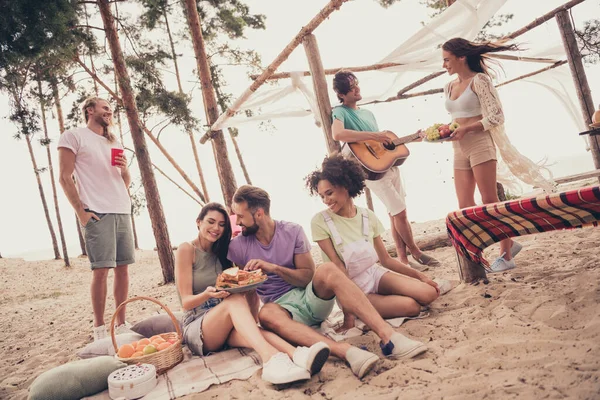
(376, 158)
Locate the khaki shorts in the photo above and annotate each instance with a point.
(109, 242)
(390, 191)
(305, 306)
(474, 149)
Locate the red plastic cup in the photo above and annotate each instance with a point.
(114, 152)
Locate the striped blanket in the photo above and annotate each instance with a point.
(473, 229)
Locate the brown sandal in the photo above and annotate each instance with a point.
(427, 260)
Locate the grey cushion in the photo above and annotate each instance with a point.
(74, 380)
(157, 324)
(104, 347)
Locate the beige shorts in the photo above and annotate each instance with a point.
(390, 191)
(474, 149)
(369, 280)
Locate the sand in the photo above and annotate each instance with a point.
(531, 333)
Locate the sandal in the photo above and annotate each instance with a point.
(427, 260)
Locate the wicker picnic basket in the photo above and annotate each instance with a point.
(162, 360)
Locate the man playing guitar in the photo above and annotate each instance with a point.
(354, 124)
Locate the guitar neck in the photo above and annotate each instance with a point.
(406, 139)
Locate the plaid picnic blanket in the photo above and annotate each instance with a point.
(473, 229)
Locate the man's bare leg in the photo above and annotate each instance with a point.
(98, 292)
(400, 245)
(275, 318)
(121, 290)
(402, 228)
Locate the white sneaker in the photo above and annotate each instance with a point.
(100, 332)
(361, 361)
(311, 358)
(123, 328)
(280, 369)
(400, 346)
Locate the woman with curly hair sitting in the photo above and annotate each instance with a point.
(350, 237)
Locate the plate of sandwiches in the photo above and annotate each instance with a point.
(235, 280)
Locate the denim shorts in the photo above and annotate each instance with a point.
(192, 326)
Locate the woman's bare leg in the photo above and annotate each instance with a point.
(485, 176)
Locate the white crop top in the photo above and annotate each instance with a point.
(465, 106)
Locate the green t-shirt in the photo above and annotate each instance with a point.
(349, 229)
(361, 120)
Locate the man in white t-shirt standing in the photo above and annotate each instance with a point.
(101, 202)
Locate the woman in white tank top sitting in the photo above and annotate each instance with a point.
(232, 323)
(473, 103)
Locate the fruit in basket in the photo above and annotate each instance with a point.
(140, 347)
(144, 341)
(134, 344)
(126, 351)
(153, 338)
(149, 349)
(163, 346)
(172, 341)
(158, 341)
(137, 354)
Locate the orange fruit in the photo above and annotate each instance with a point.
(153, 338)
(140, 347)
(172, 341)
(158, 340)
(134, 344)
(163, 346)
(137, 354)
(126, 351)
(144, 341)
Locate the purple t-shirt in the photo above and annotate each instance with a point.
(289, 239)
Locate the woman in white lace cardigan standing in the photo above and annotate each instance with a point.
(473, 102)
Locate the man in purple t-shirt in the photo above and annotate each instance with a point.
(296, 296)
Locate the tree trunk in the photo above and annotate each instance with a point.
(52, 180)
(135, 237)
(61, 127)
(40, 187)
(157, 217)
(43, 197)
(238, 152)
(226, 176)
(580, 79)
(189, 131)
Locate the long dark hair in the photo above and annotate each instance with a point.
(339, 171)
(476, 52)
(221, 246)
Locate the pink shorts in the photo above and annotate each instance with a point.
(369, 280)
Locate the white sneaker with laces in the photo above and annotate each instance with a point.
(280, 369)
(123, 328)
(311, 358)
(100, 332)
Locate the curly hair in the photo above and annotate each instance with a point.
(342, 82)
(339, 171)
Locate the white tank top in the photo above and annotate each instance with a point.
(465, 106)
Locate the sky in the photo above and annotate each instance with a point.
(278, 159)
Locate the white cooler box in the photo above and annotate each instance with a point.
(132, 382)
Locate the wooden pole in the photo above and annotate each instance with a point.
(469, 271)
(584, 93)
(224, 169)
(313, 55)
(281, 57)
(155, 210)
